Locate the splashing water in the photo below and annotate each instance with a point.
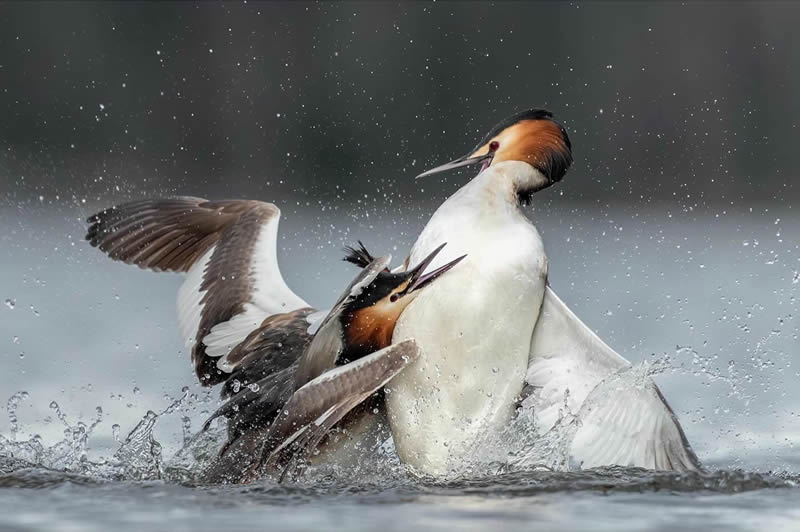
(518, 449)
(13, 404)
(138, 457)
(521, 447)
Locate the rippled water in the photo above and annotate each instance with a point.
(611, 499)
(709, 301)
(58, 487)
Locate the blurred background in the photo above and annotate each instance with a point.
(674, 234)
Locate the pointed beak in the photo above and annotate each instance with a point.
(418, 280)
(461, 161)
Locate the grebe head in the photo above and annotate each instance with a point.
(531, 137)
(369, 316)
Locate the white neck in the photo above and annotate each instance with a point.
(501, 183)
(473, 324)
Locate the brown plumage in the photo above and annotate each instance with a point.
(167, 234)
(173, 234)
(532, 137)
(264, 379)
(371, 328)
(216, 243)
(307, 417)
(287, 331)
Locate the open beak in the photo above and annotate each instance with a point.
(461, 161)
(419, 280)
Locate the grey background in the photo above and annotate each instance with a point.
(673, 234)
(694, 103)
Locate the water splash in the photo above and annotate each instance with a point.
(517, 448)
(138, 457)
(12, 405)
(140, 453)
(521, 446)
(68, 454)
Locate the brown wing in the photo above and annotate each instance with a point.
(278, 343)
(167, 234)
(228, 249)
(308, 415)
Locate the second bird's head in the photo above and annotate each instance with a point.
(534, 147)
(370, 315)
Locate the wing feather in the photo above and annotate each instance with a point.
(308, 415)
(228, 250)
(624, 419)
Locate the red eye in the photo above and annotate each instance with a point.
(494, 145)
(393, 298)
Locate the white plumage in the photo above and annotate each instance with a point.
(493, 326)
(189, 304)
(624, 419)
(473, 327)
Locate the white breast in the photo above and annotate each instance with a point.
(474, 326)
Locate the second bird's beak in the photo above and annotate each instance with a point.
(461, 161)
(418, 280)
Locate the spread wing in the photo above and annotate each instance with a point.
(228, 250)
(625, 422)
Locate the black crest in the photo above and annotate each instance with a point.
(358, 256)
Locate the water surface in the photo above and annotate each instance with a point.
(712, 295)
